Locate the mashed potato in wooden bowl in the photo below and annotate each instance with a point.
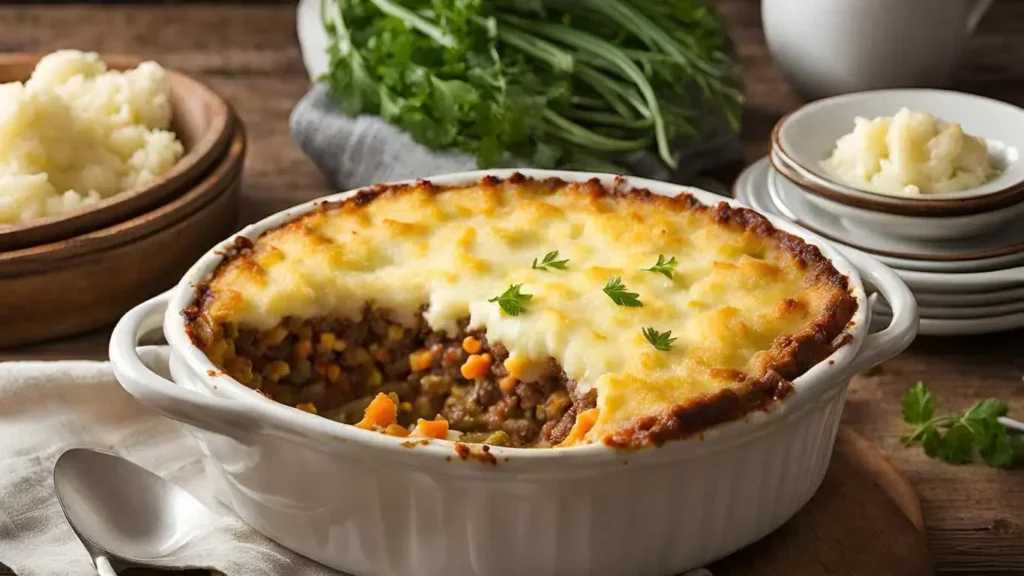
(76, 133)
(911, 153)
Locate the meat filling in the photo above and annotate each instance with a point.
(335, 368)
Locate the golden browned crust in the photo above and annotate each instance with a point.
(789, 356)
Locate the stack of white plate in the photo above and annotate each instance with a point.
(966, 268)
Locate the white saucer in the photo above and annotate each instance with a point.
(945, 327)
(961, 312)
(989, 252)
(751, 188)
(937, 288)
(970, 299)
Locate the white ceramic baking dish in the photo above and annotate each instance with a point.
(365, 503)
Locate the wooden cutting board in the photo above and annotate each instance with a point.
(865, 520)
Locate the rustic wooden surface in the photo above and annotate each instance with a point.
(861, 497)
(974, 515)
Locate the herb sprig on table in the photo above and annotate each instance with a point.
(957, 438)
(558, 83)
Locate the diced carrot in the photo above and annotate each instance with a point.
(307, 407)
(276, 370)
(586, 419)
(327, 340)
(381, 413)
(303, 348)
(471, 344)
(476, 366)
(431, 428)
(508, 384)
(396, 430)
(421, 360)
(584, 423)
(333, 372)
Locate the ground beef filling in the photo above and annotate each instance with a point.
(334, 368)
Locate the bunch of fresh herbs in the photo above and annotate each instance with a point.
(958, 438)
(558, 83)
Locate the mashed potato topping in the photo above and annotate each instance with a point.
(910, 153)
(747, 306)
(76, 133)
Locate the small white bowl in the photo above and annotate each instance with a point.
(808, 136)
(937, 228)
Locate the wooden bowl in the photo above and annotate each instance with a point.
(200, 119)
(90, 281)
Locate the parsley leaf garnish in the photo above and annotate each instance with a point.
(957, 438)
(549, 262)
(918, 405)
(660, 340)
(664, 266)
(619, 294)
(512, 301)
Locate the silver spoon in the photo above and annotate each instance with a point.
(123, 512)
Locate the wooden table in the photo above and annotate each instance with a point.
(974, 514)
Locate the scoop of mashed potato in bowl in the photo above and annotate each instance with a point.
(911, 153)
(76, 133)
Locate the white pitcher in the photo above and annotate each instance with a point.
(828, 47)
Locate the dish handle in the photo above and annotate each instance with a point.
(154, 391)
(902, 329)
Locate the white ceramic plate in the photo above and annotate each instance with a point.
(955, 266)
(961, 327)
(796, 205)
(809, 135)
(960, 312)
(971, 298)
(751, 188)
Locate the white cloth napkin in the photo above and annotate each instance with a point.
(49, 407)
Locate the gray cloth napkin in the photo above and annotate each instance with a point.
(49, 407)
(363, 150)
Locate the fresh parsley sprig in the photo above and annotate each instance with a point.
(621, 295)
(664, 266)
(512, 301)
(549, 261)
(957, 438)
(660, 340)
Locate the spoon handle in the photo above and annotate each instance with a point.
(103, 567)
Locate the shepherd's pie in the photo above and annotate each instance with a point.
(523, 312)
